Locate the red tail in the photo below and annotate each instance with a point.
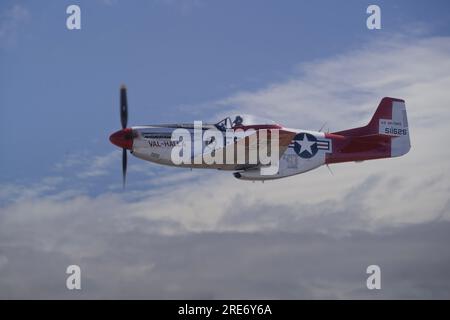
(385, 136)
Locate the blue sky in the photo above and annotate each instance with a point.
(300, 63)
(59, 87)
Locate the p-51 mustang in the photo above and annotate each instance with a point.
(297, 150)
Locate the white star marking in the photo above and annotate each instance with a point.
(305, 144)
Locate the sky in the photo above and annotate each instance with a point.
(176, 233)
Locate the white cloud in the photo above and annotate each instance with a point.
(374, 196)
(89, 166)
(98, 166)
(345, 91)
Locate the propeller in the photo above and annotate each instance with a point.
(124, 121)
(123, 106)
(124, 167)
(124, 137)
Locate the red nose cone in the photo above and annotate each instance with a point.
(123, 138)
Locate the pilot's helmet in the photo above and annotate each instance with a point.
(238, 121)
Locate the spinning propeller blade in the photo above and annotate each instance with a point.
(124, 121)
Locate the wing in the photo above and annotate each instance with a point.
(243, 152)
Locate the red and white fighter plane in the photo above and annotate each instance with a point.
(385, 136)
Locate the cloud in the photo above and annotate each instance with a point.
(99, 164)
(348, 87)
(124, 259)
(204, 234)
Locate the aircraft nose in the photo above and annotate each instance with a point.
(122, 138)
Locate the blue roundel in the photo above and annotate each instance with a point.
(305, 145)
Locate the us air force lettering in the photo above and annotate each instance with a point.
(247, 145)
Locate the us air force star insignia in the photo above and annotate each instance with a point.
(305, 145)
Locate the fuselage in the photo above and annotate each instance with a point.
(300, 150)
(253, 149)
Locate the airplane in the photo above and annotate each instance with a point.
(297, 150)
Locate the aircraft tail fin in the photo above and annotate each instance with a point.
(388, 126)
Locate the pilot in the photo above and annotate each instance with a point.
(213, 139)
(238, 121)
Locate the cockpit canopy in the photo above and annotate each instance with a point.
(242, 120)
